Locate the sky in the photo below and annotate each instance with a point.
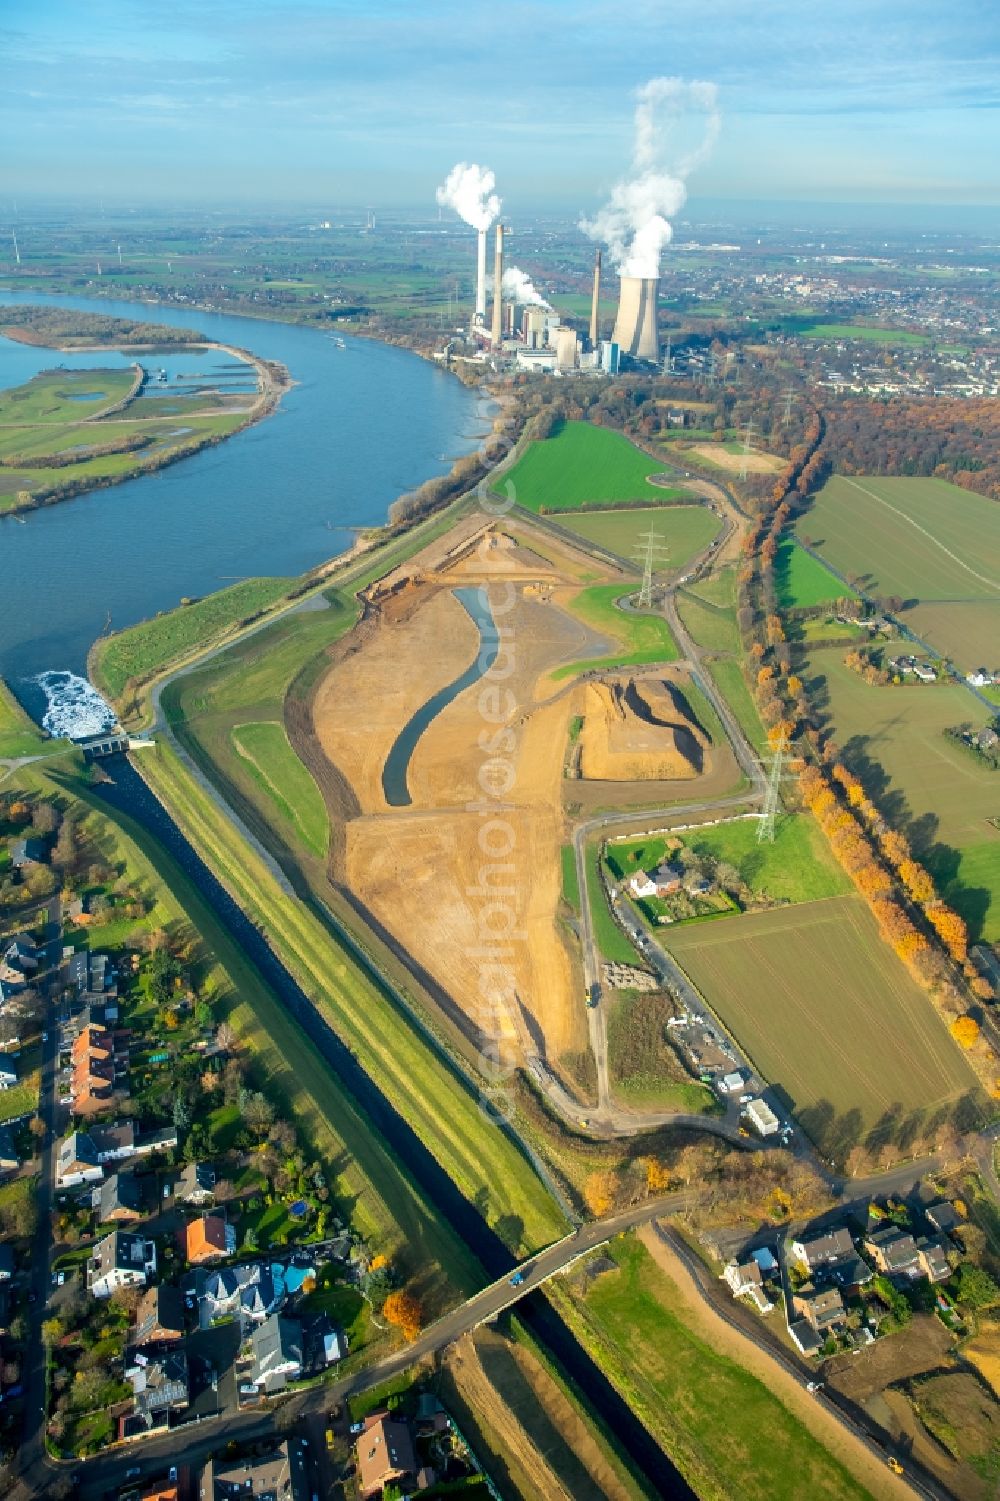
(371, 101)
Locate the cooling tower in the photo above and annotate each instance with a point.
(498, 290)
(594, 305)
(636, 331)
(481, 279)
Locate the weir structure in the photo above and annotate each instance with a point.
(636, 330)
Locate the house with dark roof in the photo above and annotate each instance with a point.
(823, 1309)
(820, 1252)
(279, 1475)
(159, 1319)
(385, 1454)
(160, 1389)
(943, 1218)
(277, 1353)
(934, 1261)
(25, 852)
(78, 1160)
(120, 1199)
(9, 1159)
(196, 1184)
(895, 1252)
(122, 1259)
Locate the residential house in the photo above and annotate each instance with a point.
(746, 1281)
(934, 1261)
(943, 1218)
(25, 852)
(8, 1072)
(641, 886)
(277, 1353)
(924, 673)
(980, 677)
(114, 1141)
(120, 1199)
(895, 1252)
(385, 1454)
(122, 1259)
(280, 1474)
(161, 1491)
(77, 1161)
(159, 1319)
(9, 1159)
(99, 1064)
(78, 911)
(822, 1309)
(163, 1139)
(208, 1238)
(160, 1388)
(667, 878)
(18, 959)
(196, 1184)
(819, 1252)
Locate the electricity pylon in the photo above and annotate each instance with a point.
(655, 550)
(788, 406)
(772, 800)
(747, 435)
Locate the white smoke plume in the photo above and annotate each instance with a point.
(468, 189)
(635, 221)
(521, 289)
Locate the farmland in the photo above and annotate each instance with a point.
(935, 545)
(800, 581)
(643, 638)
(265, 748)
(872, 333)
(144, 649)
(813, 994)
(722, 1426)
(682, 531)
(935, 792)
(583, 466)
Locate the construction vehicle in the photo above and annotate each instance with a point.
(895, 1466)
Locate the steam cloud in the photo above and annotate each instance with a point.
(468, 189)
(635, 221)
(521, 289)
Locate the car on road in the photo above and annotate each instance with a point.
(45, 1037)
(60, 1279)
(132, 1472)
(172, 1473)
(517, 1279)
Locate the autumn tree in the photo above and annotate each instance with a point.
(965, 1030)
(600, 1190)
(403, 1310)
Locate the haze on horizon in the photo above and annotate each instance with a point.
(223, 100)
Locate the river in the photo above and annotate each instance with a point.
(361, 424)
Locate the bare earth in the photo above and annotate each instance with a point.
(756, 463)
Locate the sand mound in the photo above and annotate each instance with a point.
(635, 732)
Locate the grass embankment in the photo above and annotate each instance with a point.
(142, 650)
(682, 532)
(724, 1430)
(380, 1199)
(570, 880)
(801, 581)
(642, 638)
(797, 867)
(727, 674)
(273, 763)
(609, 937)
(483, 1163)
(18, 735)
(812, 993)
(644, 1068)
(582, 466)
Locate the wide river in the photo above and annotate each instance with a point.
(362, 424)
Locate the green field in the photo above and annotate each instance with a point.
(143, 650)
(609, 937)
(932, 543)
(708, 610)
(866, 331)
(18, 736)
(797, 867)
(727, 674)
(938, 794)
(642, 638)
(800, 581)
(53, 424)
(828, 1014)
(682, 532)
(265, 748)
(724, 1429)
(644, 1068)
(582, 465)
(570, 882)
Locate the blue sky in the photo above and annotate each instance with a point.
(373, 102)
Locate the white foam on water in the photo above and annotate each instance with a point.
(76, 711)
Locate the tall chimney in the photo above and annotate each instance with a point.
(597, 298)
(636, 329)
(498, 290)
(481, 279)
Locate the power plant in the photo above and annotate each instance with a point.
(481, 280)
(636, 330)
(497, 330)
(594, 306)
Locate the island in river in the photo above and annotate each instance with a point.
(67, 431)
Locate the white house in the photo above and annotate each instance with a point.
(8, 1073)
(730, 1083)
(641, 886)
(762, 1118)
(745, 1280)
(122, 1259)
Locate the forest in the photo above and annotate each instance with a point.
(62, 328)
(956, 440)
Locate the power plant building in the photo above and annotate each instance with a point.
(636, 330)
(567, 348)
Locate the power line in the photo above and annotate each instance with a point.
(789, 393)
(747, 435)
(655, 550)
(772, 798)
